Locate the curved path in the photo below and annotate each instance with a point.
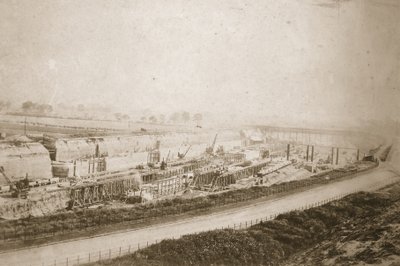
(57, 254)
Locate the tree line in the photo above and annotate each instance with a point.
(175, 118)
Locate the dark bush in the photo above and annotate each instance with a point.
(267, 243)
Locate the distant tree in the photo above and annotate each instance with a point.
(81, 107)
(32, 107)
(153, 119)
(4, 105)
(197, 118)
(175, 117)
(161, 118)
(61, 106)
(44, 108)
(118, 116)
(185, 117)
(27, 106)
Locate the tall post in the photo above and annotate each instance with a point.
(333, 152)
(358, 154)
(25, 127)
(288, 152)
(312, 153)
(337, 156)
(308, 149)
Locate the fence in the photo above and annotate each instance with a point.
(134, 217)
(107, 254)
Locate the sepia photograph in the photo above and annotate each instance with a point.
(187, 132)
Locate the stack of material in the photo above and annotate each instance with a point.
(62, 169)
(74, 149)
(82, 148)
(21, 159)
(119, 163)
(78, 168)
(113, 146)
(116, 146)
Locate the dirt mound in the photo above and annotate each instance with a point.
(39, 205)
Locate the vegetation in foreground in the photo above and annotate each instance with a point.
(92, 219)
(275, 242)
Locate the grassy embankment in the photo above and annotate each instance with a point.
(312, 237)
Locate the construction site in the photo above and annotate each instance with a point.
(45, 174)
(200, 132)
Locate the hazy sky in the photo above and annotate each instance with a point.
(296, 59)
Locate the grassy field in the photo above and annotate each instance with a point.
(39, 124)
(316, 236)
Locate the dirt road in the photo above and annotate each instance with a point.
(56, 254)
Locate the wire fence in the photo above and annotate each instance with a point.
(111, 253)
(35, 231)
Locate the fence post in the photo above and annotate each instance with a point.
(120, 251)
(67, 261)
(147, 244)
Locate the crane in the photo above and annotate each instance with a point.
(153, 157)
(182, 155)
(210, 149)
(164, 164)
(20, 188)
(5, 176)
